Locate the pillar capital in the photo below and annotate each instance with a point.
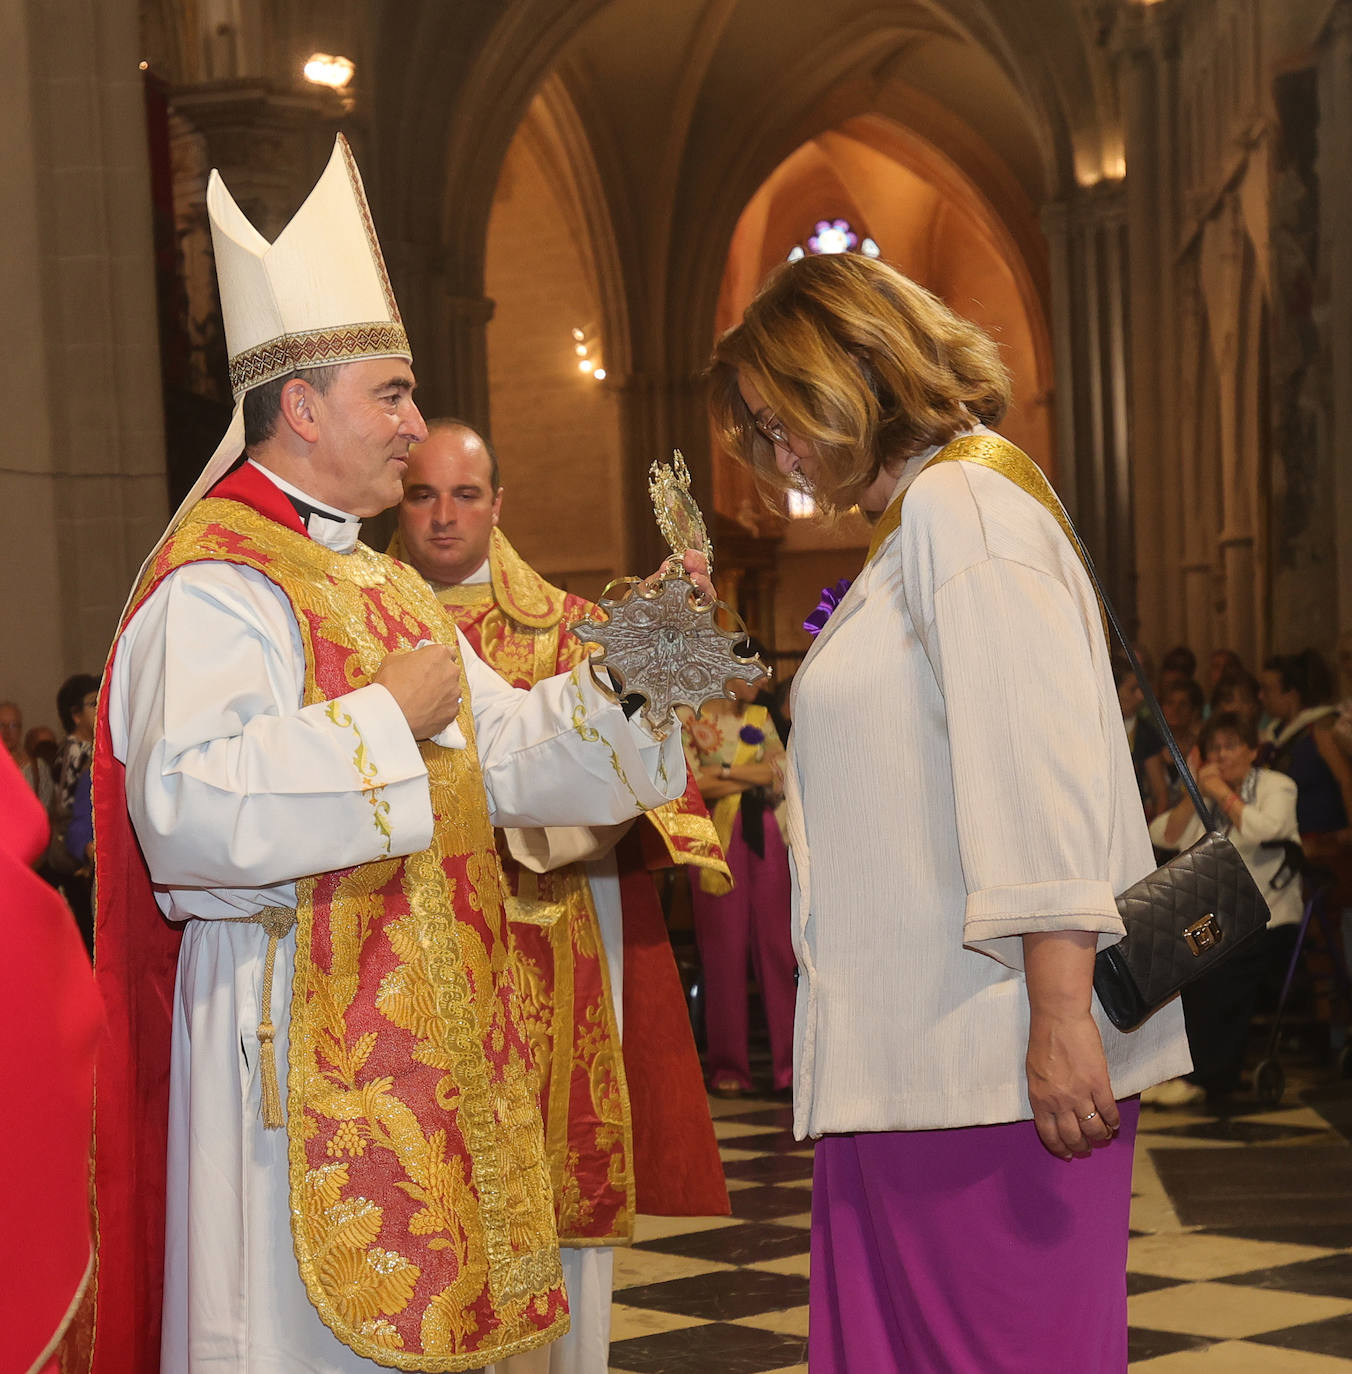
(268, 142)
(1145, 28)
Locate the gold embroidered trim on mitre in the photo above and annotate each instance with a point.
(316, 348)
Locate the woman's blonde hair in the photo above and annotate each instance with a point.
(858, 361)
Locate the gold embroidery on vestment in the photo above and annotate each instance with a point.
(470, 1155)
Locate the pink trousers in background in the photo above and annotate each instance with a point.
(751, 920)
(969, 1251)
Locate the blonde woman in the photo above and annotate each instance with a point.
(961, 809)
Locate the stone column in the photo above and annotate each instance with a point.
(1335, 195)
(1147, 80)
(82, 485)
(1090, 340)
(658, 412)
(447, 318)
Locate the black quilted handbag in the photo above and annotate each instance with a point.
(1182, 919)
(1185, 918)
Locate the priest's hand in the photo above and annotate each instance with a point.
(696, 567)
(425, 684)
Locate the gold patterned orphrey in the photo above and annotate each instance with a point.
(659, 639)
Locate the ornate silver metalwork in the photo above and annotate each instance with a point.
(658, 638)
(661, 641)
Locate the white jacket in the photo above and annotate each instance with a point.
(958, 778)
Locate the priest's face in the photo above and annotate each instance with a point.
(449, 508)
(367, 420)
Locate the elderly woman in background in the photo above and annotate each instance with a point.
(1256, 807)
(961, 809)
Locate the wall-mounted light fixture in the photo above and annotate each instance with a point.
(586, 350)
(328, 69)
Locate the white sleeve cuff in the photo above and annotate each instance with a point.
(997, 918)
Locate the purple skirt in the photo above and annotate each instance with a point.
(969, 1251)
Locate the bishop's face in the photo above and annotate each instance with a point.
(449, 508)
(367, 420)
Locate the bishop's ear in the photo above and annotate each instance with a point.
(299, 409)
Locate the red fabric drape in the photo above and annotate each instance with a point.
(677, 1170)
(50, 1024)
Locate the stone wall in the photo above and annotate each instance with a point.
(82, 486)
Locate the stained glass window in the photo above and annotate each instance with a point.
(834, 236)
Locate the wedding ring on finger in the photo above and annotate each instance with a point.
(1087, 1119)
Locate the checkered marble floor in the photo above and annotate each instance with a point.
(1240, 1258)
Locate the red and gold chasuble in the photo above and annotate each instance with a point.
(422, 1215)
(629, 1129)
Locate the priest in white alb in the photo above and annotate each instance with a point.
(299, 763)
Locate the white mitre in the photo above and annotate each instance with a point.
(317, 296)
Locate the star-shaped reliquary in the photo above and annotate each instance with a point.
(660, 641)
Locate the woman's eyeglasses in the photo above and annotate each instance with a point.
(773, 431)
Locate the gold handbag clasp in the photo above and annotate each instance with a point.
(1204, 934)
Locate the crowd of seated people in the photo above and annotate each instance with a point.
(1272, 755)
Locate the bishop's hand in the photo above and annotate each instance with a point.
(425, 684)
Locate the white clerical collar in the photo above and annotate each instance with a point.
(479, 577)
(325, 524)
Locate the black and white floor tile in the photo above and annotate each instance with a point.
(1240, 1258)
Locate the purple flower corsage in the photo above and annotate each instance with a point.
(831, 598)
(748, 734)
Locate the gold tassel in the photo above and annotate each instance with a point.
(267, 1063)
(277, 921)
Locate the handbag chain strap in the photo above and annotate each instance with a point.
(1010, 461)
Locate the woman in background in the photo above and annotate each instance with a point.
(1256, 808)
(1297, 692)
(737, 759)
